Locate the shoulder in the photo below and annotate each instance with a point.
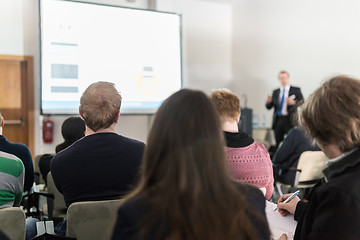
(276, 90)
(253, 194)
(18, 149)
(132, 142)
(294, 88)
(132, 209)
(11, 164)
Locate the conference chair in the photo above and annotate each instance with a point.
(92, 220)
(38, 178)
(12, 222)
(56, 205)
(308, 171)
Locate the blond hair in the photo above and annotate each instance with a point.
(332, 113)
(226, 103)
(99, 105)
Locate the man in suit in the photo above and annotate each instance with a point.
(284, 100)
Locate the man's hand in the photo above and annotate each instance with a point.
(287, 208)
(290, 102)
(268, 100)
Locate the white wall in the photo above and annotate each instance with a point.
(11, 27)
(311, 39)
(207, 42)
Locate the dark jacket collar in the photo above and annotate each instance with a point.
(344, 165)
(238, 139)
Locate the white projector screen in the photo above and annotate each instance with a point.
(82, 43)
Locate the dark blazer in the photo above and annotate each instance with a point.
(101, 166)
(276, 102)
(332, 210)
(131, 213)
(287, 156)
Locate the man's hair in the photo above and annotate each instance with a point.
(282, 72)
(332, 113)
(226, 103)
(99, 105)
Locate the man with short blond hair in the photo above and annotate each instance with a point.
(103, 165)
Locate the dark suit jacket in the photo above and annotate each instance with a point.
(276, 102)
(332, 209)
(131, 214)
(287, 156)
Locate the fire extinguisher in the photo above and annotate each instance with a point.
(48, 130)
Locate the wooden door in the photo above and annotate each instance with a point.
(16, 99)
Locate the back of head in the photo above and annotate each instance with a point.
(332, 113)
(100, 105)
(72, 129)
(184, 170)
(227, 104)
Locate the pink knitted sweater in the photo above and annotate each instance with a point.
(251, 164)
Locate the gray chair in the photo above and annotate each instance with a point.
(56, 206)
(92, 220)
(12, 222)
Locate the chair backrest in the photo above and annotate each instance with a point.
(311, 164)
(59, 202)
(38, 179)
(12, 222)
(92, 220)
(259, 135)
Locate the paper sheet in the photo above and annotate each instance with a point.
(279, 224)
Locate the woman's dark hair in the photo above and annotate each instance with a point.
(72, 129)
(184, 184)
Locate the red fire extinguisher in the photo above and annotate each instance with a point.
(48, 131)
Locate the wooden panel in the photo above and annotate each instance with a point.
(18, 73)
(10, 84)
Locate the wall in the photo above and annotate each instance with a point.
(207, 42)
(311, 39)
(11, 27)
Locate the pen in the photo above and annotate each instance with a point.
(289, 198)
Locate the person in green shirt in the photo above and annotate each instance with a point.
(11, 180)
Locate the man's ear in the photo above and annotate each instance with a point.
(238, 119)
(80, 113)
(117, 117)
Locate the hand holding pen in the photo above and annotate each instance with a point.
(287, 203)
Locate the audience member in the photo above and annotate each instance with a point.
(12, 176)
(103, 165)
(22, 152)
(72, 129)
(185, 192)
(287, 156)
(247, 160)
(331, 116)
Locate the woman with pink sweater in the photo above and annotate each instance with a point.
(247, 160)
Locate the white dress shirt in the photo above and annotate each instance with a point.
(284, 111)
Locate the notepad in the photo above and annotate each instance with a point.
(279, 224)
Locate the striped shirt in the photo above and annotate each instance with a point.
(11, 180)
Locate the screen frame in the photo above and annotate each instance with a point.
(128, 112)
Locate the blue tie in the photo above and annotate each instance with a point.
(281, 102)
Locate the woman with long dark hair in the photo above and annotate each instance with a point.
(185, 191)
